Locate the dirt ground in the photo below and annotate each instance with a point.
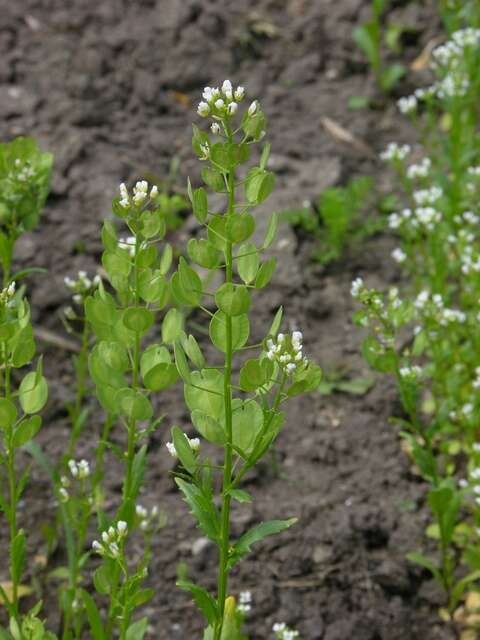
(111, 87)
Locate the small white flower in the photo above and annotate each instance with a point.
(73, 468)
(239, 94)
(398, 255)
(122, 528)
(63, 494)
(357, 287)
(83, 469)
(252, 108)
(97, 547)
(154, 191)
(291, 367)
(232, 108)
(227, 88)
(219, 104)
(171, 449)
(114, 549)
(105, 537)
(203, 109)
(215, 128)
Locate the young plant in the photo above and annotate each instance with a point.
(19, 423)
(24, 183)
(241, 417)
(370, 37)
(340, 222)
(125, 374)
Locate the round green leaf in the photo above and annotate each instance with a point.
(161, 376)
(138, 319)
(218, 331)
(248, 262)
(26, 430)
(133, 404)
(203, 253)
(265, 273)
(33, 392)
(8, 413)
(239, 227)
(234, 300)
(172, 326)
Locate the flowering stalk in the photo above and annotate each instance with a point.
(124, 373)
(244, 428)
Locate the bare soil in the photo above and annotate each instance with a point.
(111, 87)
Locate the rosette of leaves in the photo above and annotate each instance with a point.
(243, 425)
(24, 183)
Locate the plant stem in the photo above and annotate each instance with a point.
(12, 489)
(81, 368)
(227, 390)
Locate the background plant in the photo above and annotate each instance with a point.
(24, 183)
(430, 341)
(371, 37)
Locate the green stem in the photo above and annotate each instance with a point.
(12, 489)
(80, 387)
(228, 459)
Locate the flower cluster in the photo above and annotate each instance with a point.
(145, 517)
(407, 104)
(7, 294)
(81, 287)
(193, 442)
(283, 632)
(221, 102)
(287, 351)
(140, 194)
(111, 540)
(428, 196)
(79, 471)
(419, 170)
(395, 152)
(421, 218)
(244, 602)
(410, 372)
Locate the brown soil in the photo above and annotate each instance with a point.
(105, 86)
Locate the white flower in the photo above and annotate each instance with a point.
(171, 449)
(291, 367)
(239, 94)
(395, 152)
(407, 104)
(140, 191)
(252, 108)
(357, 287)
(219, 104)
(227, 88)
(154, 191)
(141, 511)
(83, 469)
(97, 547)
(215, 128)
(122, 528)
(398, 255)
(63, 494)
(203, 109)
(73, 468)
(232, 108)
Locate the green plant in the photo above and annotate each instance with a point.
(125, 375)
(24, 182)
(370, 37)
(429, 340)
(243, 426)
(340, 221)
(19, 423)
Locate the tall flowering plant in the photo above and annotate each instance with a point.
(240, 415)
